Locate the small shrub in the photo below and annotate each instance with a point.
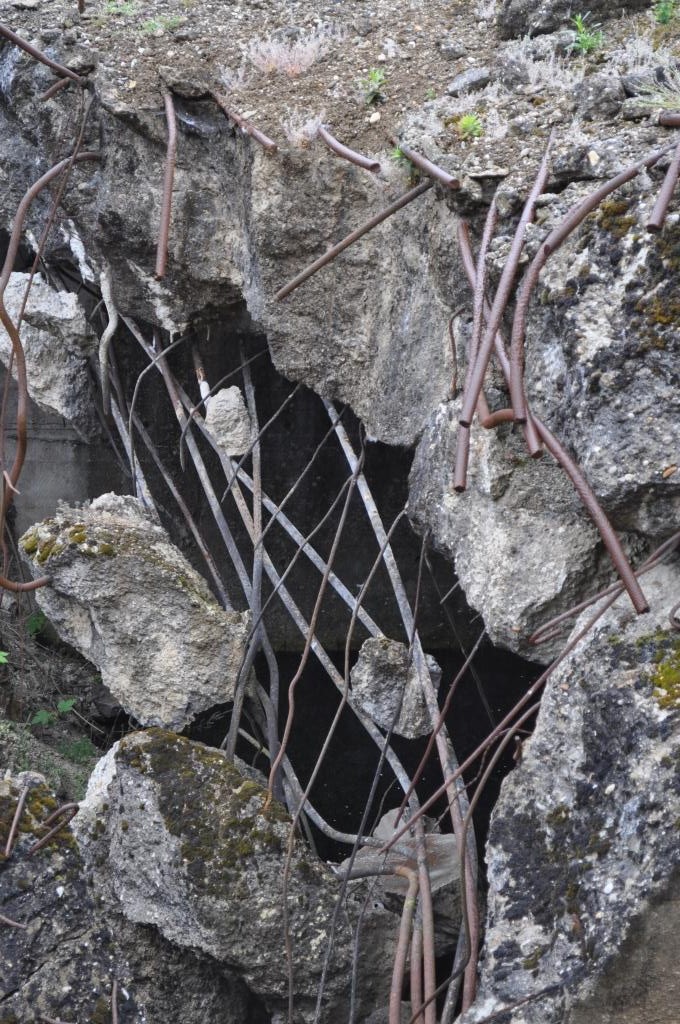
(161, 24)
(469, 126)
(35, 623)
(588, 38)
(664, 12)
(372, 86)
(45, 717)
(290, 57)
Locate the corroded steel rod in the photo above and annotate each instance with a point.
(658, 215)
(166, 208)
(502, 296)
(245, 125)
(346, 153)
(61, 83)
(58, 69)
(669, 119)
(62, 816)
(570, 222)
(426, 166)
(463, 438)
(353, 236)
(583, 489)
(17, 348)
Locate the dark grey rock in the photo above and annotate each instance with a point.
(452, 48)
(469, 81)
(387, 683)
(599, 96)
(583, 848)
(529, 17)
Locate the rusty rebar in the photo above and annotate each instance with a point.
(169, 177)
(58, 69)
(61, 83)
(583, 489)
(12, 250)
(549, 630)
(658, 215)
(502, 296)
(353, 236)
(63, 815)
(17, 348)
(674, 617)
(11, 923)
(569, 223)
(669, 119)
(534, 446)
(15, 821)
(426, 166)
(246, 126)
(346, 153)
(405, 927)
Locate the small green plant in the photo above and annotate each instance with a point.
(431, 93)
(372, 86)
(469, 126)
(4, 657)
(124, 7)
(588, 37)
(160, 24)
(664, 12)
(45, 717)
(79, 751)
(35, 623)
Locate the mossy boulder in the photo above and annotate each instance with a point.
(179, 838)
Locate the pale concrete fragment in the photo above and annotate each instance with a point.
(57, 342)
(187, 847)
(383, 676)
(228, 421)
(129, 601)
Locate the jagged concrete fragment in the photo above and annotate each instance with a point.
(188, 847)
(583, 848)
(228, 421)
(602, 357)
(603, 352)
(128, 600)
(526, 17)
(57, 342)
(383, 677)
(496, 531)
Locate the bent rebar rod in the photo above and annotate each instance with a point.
(346, 153)
(502, 296)
(58, 69)
(583, 489)
(426, 166)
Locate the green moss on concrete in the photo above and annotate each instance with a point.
(216, 814)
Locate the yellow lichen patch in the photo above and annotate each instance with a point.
(666, 680)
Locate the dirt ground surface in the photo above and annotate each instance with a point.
(368, 69)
